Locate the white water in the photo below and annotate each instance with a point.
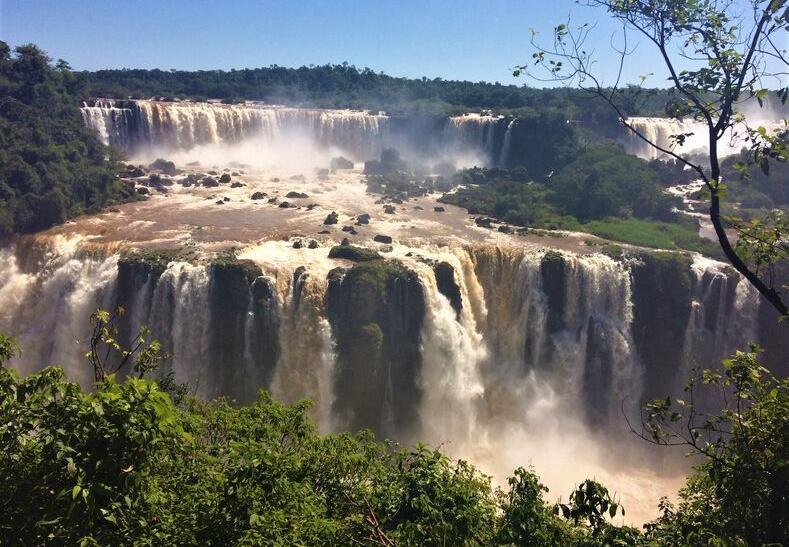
(147, 129)
(660, 131)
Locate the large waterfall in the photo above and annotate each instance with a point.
(575, 322)
(137, 126)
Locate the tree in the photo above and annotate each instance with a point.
(727, 56)
(8, 348)
(108, 354)
(740, 489)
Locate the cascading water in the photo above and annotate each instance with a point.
(563, 319)
(661, 130)
(136, 125)
(139, 126)
(473, 129)
(504, 155)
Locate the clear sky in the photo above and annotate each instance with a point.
(460, 39)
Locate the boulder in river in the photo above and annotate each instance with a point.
(296, 195)
(338, 163)
(165, 166)
(382, 239)
(331, 218)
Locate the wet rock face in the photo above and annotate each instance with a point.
(264, 336)
(138, 275)
(229, 298)
(446, 284)
(338, 163)
(376, 310)
(662, 302)
(552, 270)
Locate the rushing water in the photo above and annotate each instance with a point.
(661, 131)
(142, 125)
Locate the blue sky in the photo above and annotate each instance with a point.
(460, 39)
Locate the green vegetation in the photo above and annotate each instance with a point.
(51, 167)
(603, 191)
(755, 191)
(124, 464)
(679, 235)
(728, 72)
(740, 491)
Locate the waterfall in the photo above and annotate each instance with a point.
(660, 132)
(561, 320)
(306, 365)
(504, 156)
(473, 131)
(573, 322)
(48, 307)
(141, 127)
(138, 125)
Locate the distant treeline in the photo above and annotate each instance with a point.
(346, 86)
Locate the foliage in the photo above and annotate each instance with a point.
(109, 355)
(9, 348)
(124, 465)
(589, 504)
(679, 235)
(739, 491)
(526, 519)
(51, 167)
(603, 181)
(603, 191)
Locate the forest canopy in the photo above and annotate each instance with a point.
(51, 167)
(346, 86)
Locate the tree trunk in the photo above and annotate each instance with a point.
(769, 293)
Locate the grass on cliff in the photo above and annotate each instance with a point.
(651, 233)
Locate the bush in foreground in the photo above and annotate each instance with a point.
(123, 464)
